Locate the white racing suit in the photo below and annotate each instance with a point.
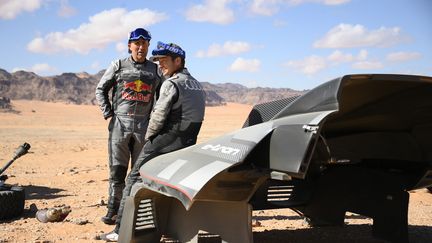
(174, 123)
(133, 86)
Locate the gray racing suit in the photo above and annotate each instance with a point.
(133, 86)
(174, 123)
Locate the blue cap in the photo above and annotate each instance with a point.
(139, 33)
(170, 49)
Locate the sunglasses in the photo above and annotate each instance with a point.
(139, 33)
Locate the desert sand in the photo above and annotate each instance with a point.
(68, 166)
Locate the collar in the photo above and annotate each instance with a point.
(138, 63)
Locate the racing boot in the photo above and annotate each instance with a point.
(110, 217)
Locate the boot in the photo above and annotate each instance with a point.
(110, 217)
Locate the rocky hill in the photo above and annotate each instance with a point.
(238, 93)
(78, 88)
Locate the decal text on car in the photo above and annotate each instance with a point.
(222, 149)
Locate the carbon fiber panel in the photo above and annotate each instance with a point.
(264, 112)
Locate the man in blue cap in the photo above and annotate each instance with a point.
(133, 82)
(175, 120)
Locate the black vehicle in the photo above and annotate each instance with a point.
(12, 198)
(358, 143)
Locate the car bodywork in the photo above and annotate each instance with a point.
(357, 143)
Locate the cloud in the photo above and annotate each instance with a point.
(213, 11)
(122, 47)
(313, 64)
(310, 65)
(350, 36)
(326, 2)
(9, 9)
(66, 10)
(368, 65)
(360, 61)
(279, 23)
(363, 54)
(42, 68)
(102, 29)
(265, 7)
(403, 56)
(39, 68)
(271, 7)
(340, 57)
(228, 48)
(245, 65)
(95, 65)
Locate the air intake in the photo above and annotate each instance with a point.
(145, 219)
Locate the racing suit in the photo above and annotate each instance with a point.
(133, 86)
(174, 123)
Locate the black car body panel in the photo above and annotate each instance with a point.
(355, 132)
(358, 107)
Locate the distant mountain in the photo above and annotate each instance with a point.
(238, 93)
(67, 87)
(79, 88)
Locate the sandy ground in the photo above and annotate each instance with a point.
(68, 166)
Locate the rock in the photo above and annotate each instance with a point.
(79, 221)
(256, 223)
(101, 202)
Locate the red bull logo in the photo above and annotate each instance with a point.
(134, 91)
(136, 96)
(138, 86)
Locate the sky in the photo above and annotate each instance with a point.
(295, 44)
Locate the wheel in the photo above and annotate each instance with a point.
(11, 202)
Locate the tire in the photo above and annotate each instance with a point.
(430, 189)
(11, 202)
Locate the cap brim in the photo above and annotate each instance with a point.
(156, 57)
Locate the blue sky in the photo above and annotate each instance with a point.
(294, 44)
